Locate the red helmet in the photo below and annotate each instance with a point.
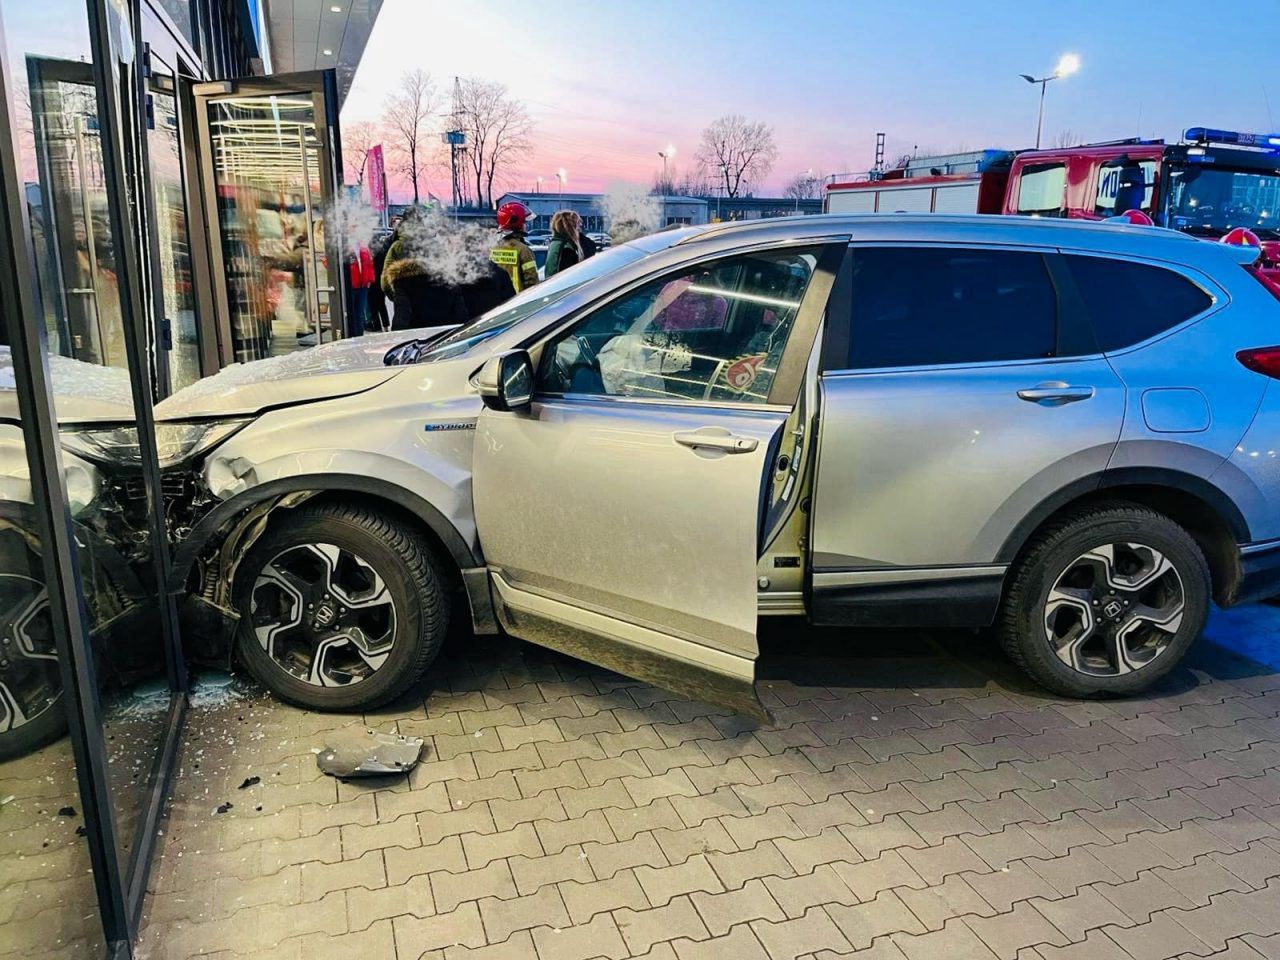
(513, 214)
(1135, 217)
(1242, 237)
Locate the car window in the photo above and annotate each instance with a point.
(715, 331)
(1125, 185)
(1130, 302)
(919, 306)
(1041, 190)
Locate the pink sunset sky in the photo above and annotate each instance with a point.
(609, 85)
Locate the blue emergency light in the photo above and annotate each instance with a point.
(1209, 135)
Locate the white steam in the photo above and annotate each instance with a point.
(350, 221)
(450, 251)
(630, 211)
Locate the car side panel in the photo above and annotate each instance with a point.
(1254, 466)
(1175, 380)
(424, 449)
(935, 467)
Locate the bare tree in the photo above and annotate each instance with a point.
(804, 186)
(737, 152)
(408, 119)
(1067, 138)
(497, 128)
(663, 185)
(694, 183)
(357, 140)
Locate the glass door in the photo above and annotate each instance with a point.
(270, 172)
(84, 320)
(174, 300)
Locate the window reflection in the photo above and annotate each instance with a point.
(61, 139)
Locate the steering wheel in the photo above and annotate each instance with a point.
(587, 358)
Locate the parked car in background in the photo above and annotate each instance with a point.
(1060, 429)
(601, 239)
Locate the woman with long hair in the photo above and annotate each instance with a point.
(565, 248)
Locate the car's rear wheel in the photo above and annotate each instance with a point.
(341, 608)
(1105, 601)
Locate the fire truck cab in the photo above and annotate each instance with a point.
(1214, 182)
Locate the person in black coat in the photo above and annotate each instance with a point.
(377, 316)
(565, 248)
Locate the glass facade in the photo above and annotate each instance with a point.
(112, 157)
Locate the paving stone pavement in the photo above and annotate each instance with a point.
(925, 805)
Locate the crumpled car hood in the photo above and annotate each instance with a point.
(83, 392)
(86, 393)
(336, 369)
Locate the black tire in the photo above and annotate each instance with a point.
(404, 560)
(44, 728)
(1022, 618)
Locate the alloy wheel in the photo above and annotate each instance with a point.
(30, 683)
(323, 614)
(1114, 609)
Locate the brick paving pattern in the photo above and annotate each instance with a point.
(926, 806)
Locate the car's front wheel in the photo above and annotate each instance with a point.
(342, 608)
(31, 711)
(1105, 601)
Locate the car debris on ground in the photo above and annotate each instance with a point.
(366, 753)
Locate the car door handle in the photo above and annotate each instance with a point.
(1055, 393)
(725, 441)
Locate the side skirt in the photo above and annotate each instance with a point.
(681, 666)
(914, 597)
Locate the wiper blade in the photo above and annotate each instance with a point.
(409, 351)
(397, 355)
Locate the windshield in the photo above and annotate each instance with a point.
(1213, 201)
(529, 302)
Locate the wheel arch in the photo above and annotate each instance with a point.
(336, 486)
(1198, 505)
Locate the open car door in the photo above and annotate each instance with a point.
(620, 511)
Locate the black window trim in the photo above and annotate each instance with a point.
(1219, 298)
(1073, 318)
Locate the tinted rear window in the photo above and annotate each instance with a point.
(919, 306)
(1131, 302)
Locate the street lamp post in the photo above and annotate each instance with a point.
(721, 187)
(666, 155)
(561, 177)
(1068, 64)
(537, 184)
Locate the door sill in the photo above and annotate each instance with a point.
(681, 666)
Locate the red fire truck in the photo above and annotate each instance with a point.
(1210, 184)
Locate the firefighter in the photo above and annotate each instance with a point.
(512, 254)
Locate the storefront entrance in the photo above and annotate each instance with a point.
(269, 170)
(154, 228)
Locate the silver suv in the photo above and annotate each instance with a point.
(1065, 430)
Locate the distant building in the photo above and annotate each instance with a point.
(591, 207)
(759, 208)
(675, 210)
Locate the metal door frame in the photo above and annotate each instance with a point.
(21, 313)
(322, 86)
(180, 66)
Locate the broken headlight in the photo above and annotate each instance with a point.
(175, 442)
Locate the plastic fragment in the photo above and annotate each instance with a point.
(365, 753)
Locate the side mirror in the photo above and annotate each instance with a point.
(505, 382)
